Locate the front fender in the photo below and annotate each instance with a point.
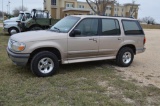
(12, 26)
(61, 45)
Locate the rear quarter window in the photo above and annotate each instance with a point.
(132, 27)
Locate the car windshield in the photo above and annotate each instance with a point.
(20, 16)
(65, 24)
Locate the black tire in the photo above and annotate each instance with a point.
(122, 61)
(36, 63)
(35, 28)
(9, 31)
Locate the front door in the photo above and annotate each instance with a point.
(85, 45)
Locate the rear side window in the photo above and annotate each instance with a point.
(132, 27)
(110, 27)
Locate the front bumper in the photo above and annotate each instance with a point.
(18, 58)
(140, 50)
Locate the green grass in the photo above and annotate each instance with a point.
(84, 84)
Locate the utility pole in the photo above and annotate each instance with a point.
(22, 5)
(2, 11)
(9, 6)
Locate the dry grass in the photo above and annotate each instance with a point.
(150, 26)
(84, 84)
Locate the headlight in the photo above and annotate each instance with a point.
(16, 46)
(5, 24)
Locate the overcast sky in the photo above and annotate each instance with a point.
(147, 8)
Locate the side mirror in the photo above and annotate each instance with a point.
(19, 22)
(75, 32)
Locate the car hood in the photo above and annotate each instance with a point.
(11, 23)
(33, 36)
(11, 20)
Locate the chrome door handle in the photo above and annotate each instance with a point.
(119, 38)
(93, 39)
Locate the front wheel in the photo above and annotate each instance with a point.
(12, 31)
(125, 57)
(44, 64)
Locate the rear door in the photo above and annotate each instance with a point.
(110, 37)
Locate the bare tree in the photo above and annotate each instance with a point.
(38, 8)
(5, 14)
(148, 20)
(17, 10)
(133, 9)
(101, 5)
(1, 13)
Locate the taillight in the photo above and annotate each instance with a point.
(144, 40)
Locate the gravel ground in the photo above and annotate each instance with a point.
(146, 66)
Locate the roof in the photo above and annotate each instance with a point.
(24, 12)
(77, 9)
(131, 4)
(98, 16)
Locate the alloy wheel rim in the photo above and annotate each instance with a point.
(127, 57)
(45, 65)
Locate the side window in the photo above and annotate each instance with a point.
(88, 27)
(28, 16)
(110, 27)
(132, 27)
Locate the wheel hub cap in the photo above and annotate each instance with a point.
(45, 65)
(127, 57)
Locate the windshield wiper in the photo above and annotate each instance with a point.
(57, 29)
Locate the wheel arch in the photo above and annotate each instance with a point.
(14, 28)
(50, 49)
(130, 46)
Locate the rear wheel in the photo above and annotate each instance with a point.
(44, 64)
(125, 57)
(35, 28)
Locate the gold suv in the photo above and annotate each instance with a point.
(78, 38)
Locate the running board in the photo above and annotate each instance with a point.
(88, 59)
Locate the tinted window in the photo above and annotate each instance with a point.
(110, 27)
(132, 27)
(88, 27)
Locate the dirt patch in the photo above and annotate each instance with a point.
(146, 66)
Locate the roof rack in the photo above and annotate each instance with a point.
(119, 16)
